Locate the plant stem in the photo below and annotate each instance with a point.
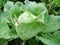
(23, 43)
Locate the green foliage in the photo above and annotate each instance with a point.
(30, 19)
(5, 32)
(28, 25)
(51, 39)
(3, 41)
(2, 2)
(57, 2)
(52, 23)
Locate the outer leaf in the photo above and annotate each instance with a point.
(35, 8)
(52, 23)
(19, 4)
(13, 9)
(8, 5)
(5, 32)
(42, 17)
(57, 35)
(51, 39)
(16, 9)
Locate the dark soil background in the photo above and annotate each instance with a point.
(28, 42)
